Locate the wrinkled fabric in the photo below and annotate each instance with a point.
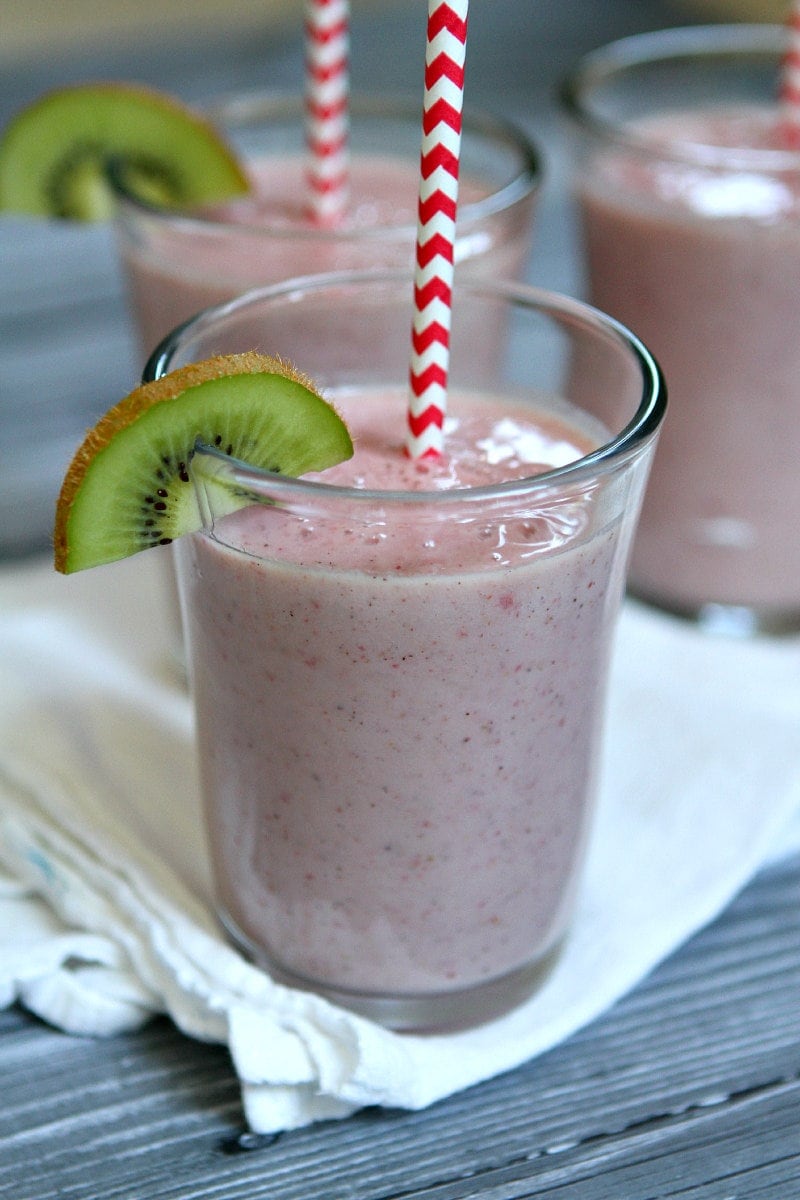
(106, 916)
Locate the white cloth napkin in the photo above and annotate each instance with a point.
(105, 915)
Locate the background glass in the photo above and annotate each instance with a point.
(696, 245)
(178, 263)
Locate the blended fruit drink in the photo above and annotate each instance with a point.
(383, 836)
(180, 262)
(691, 210)
(399, 666)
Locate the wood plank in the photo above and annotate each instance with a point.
(745, 1148)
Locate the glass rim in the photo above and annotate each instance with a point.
(621, 447)
(673, 45)
(257, 105)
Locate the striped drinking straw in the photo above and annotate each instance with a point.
(436, 223)
(789, 89)
(327, 42)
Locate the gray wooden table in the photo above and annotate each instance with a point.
(690, 1087)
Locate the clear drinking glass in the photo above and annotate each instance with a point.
(690, 198)
(400, 693)
(180, 262)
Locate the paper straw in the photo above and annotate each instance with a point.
(789, 91)
(436, 226)
(327, 29)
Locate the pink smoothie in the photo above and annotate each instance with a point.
(398, 717)
(703, 262)
(177, 267)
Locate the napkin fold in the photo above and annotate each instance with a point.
(105, 901)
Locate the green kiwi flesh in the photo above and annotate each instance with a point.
(135, 491)
(56, 153)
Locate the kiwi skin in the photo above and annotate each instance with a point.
(128, 487)
(54, 154)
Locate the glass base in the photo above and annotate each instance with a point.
(726, 620)
(429, 1012)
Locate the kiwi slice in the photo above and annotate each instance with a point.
(56, 154)
(129, 486)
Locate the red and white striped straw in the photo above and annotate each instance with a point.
(327, 29)
(436, 226)
(789, 90)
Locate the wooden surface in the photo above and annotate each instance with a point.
(689, 1088)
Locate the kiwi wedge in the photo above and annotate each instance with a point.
(56, 155)
(129, 486)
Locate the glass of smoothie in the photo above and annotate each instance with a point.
(180, 262)
(689, 191)
(399, 666)
(177, 263)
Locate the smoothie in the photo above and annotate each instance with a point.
(398, 717)
(691, 215)
(177, 264)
